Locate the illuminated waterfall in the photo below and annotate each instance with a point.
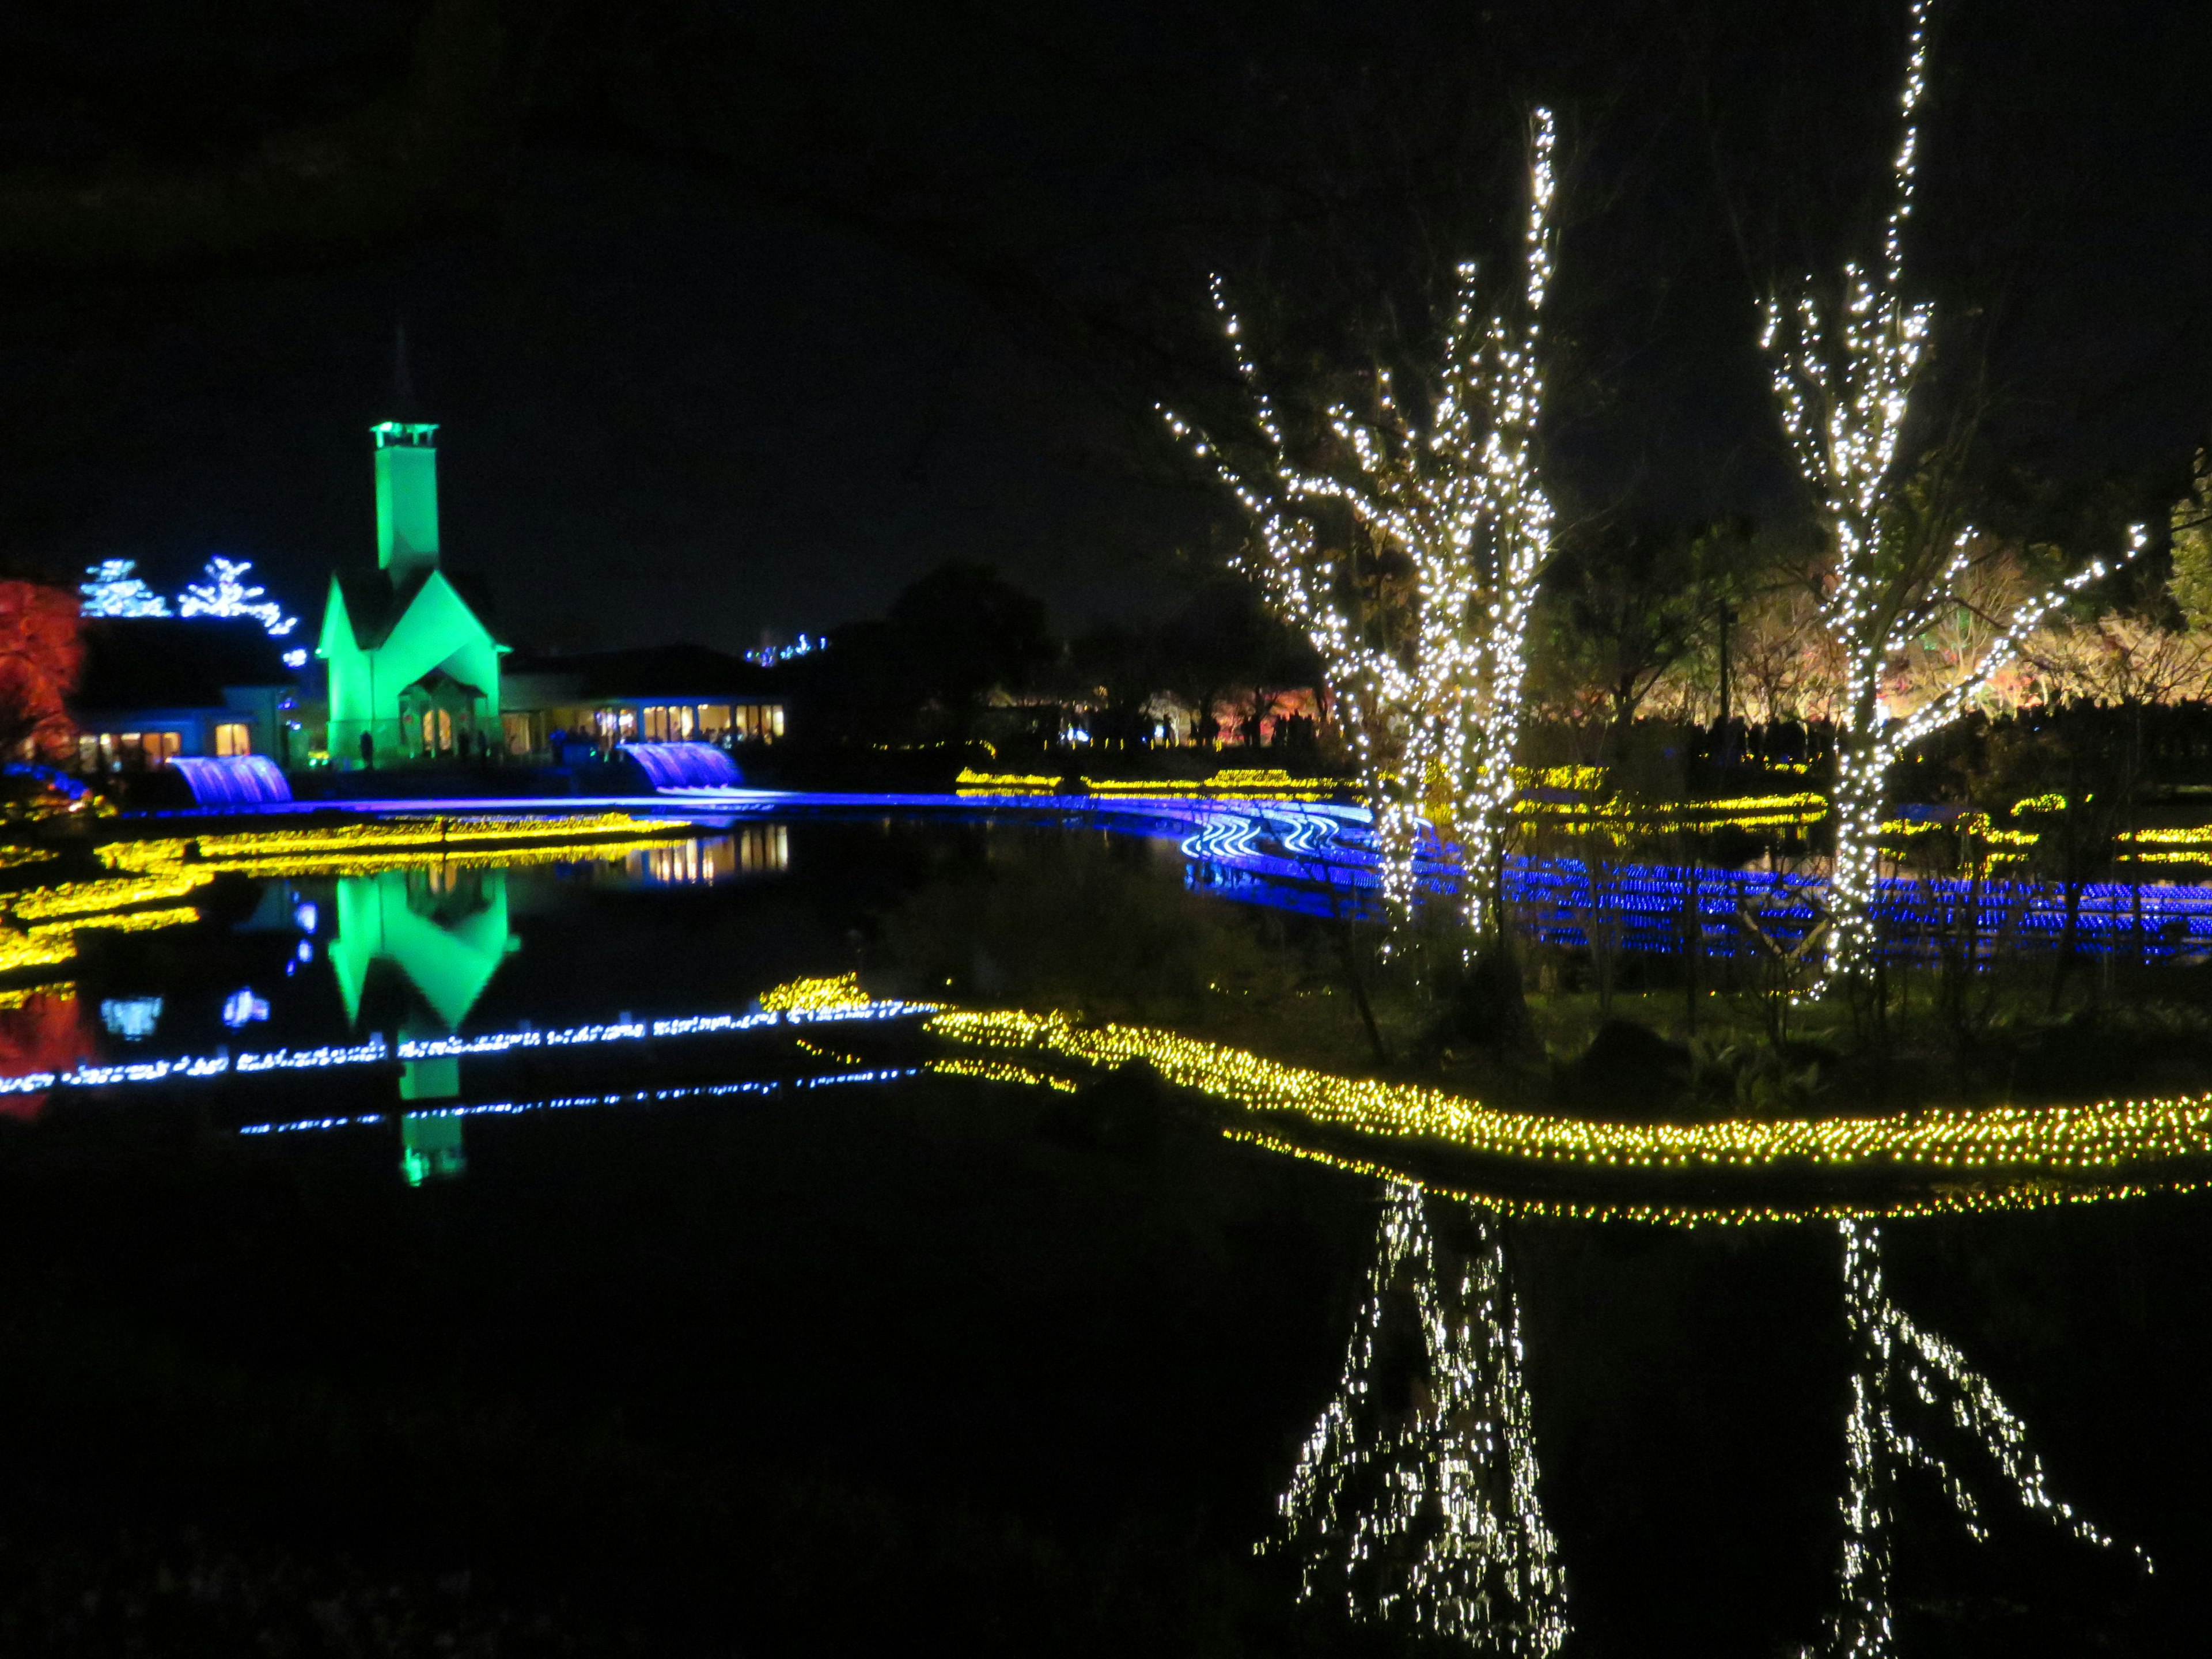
(684, 765)
(233, 779)
(1423, 1508)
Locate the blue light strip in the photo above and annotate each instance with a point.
(376, 1049)
(1317, 858)
(572, 1102)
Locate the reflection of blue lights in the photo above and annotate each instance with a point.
(242, 1007)
(572, 1102)
(131, 1018)
(375, 1050)
(295, 658)
(305, 916)
(305, 953)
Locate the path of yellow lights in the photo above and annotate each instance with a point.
(371, 838)
(1961, 1199)
(40, 923)
(2057, 1140)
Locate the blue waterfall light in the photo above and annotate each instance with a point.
(684, 765)
(233, 779)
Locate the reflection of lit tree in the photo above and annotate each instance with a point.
(1420, 613)
(1423, 1507)
(1896, 1368)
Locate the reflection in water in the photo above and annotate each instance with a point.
(430, 1146)
(1417, 1485)
(1897, 1367)
(444, 928)
(750, 849)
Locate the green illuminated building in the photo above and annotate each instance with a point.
(412, 668)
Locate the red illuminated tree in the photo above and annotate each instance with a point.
(41, 652)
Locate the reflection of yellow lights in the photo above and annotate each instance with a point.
(504, 858)
(433, 835)
(813, 996)
(86, 897)
(23, 996)
(2099, 1137)
(49, 948)
(1951, 1200)
(127, 921)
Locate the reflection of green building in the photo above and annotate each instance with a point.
(430, 1146)
(445, 932)
(411, 666)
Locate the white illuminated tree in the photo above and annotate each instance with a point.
(1902, 1373)
(224, 591)
(115, 591)
(1408, 550)
(1425, 1509)
(1845, 379)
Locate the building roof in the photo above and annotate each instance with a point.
(374, 605)
(680, 673)
(169, 662)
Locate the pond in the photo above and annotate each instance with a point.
(560, 1254)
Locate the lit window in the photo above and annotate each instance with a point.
(231, 738)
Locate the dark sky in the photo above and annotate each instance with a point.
(739, 319)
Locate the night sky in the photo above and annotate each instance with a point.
(737, 319)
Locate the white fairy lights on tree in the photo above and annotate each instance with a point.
(1430, 684)
(116, 590)
(1845, 386)
(1897, 1364)
(225, 592)
(1429, 1514)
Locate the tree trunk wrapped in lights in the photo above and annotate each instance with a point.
(1845, 385)
(1421, 613)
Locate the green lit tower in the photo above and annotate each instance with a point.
(414, 673)
(406, 496)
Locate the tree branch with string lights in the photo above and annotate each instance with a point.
(1406, 543)
(1899, 547)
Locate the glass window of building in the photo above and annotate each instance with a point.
(231, 738)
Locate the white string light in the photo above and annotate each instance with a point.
(1435, 708)
(226, 592)
(1844, 385)
(1431, 1514)
(1897, 1364)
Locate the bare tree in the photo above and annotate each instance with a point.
(1898, 538)
(1409, 554)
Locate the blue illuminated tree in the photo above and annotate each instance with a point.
(114, 591)
(225, 592)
